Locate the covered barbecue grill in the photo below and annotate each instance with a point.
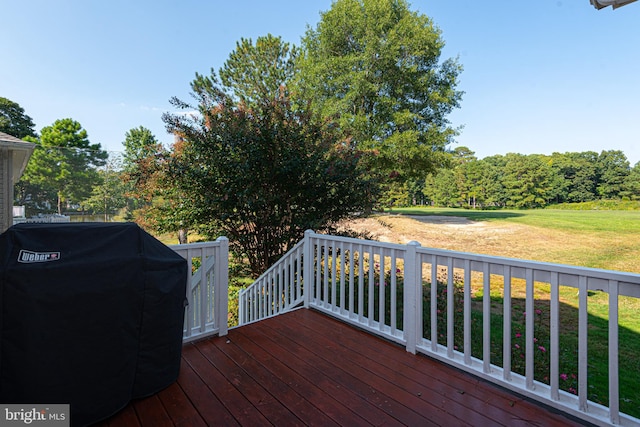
(90, 315)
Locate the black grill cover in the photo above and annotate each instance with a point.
(90, 314)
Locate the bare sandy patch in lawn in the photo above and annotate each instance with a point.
(446, 220)
(404, 228)
(450, 232)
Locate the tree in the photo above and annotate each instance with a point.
(441, 188)
(160, 202)
(613, 168)
(526, 180)
(14, 121)
(109, 194)
(260, 73)
(255, 168)
(375, 65)
(153, 199)
(575, 176)
(138, 144)
(632, 183)
(491, 188)
(468, 175)
(140, 150)
(65, 160)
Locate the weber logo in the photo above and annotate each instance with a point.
(30, 257)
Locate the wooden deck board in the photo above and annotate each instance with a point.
(305, 368)
(272, 381)
(447, 386)
(343, 367)
(307, 380)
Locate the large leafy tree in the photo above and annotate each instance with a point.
(139, 170)
(575, 176)
(14, 121)
(160, 204)
(255, 168)
(139, 143)
(492, 192)
(153, 199)
(375, 65)
(526, 180)
(441, 188)
(258, 74)
(613, 168)
(64, 161)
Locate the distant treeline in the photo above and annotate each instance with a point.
(525, 181)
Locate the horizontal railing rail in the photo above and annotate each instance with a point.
(206, 312)
(505, 320)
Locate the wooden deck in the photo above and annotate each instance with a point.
(305, 368)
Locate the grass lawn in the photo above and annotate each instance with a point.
(597, 239)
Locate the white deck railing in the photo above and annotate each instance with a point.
(53, 218)
(387, 289)
(276, 291)
(207, 288)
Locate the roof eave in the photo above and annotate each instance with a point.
(20, 152)
(600, 4)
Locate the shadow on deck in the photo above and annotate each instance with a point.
(305, 368)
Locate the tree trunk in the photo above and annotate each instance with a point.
(182, 236)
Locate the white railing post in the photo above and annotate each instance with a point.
(221, 290)
(307, 274)
(412, 297)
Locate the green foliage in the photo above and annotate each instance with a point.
(139, 144)
(255, 74)
(375, 65)
(615, 205)
(613, 169)
(141, 162)
(14, 121)
(529, 181)
(441, 189)
(155, 199)
(575, 176)
(256, 169)
(632, 183)
(396, 194)
(62, 168)
(526, 181)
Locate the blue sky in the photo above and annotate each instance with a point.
(540, 76)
